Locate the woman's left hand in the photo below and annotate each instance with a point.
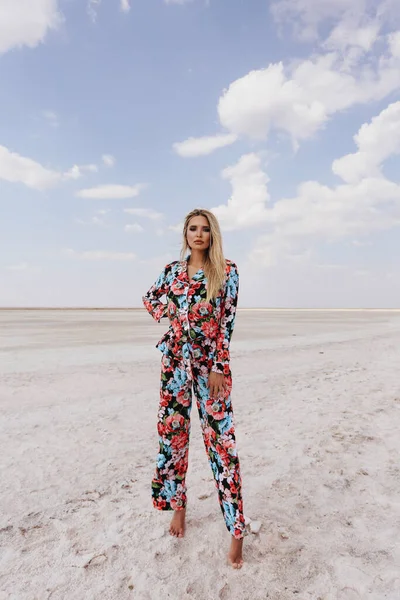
(216, 384)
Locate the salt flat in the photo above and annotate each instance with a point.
(317, 403)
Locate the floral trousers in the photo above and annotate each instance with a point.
(216, 418)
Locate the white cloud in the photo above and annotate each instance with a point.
(108, 160)
(111, 192)
(328, 214)
(349, 33)
(134, 228)
(203, 145)
(298, 100)
(376, 141)
(77, 171)
(101, 255)
(125, 6)
(147, 213)
(247, 205)
(365, 203)
(18, 169)
(26, 22)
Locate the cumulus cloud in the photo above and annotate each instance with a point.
(203, 145)
(351, 34)
(27, 22)
(247, 204)
(19, 169)
(110, 192)
(266, 99)
(365, 202)
(319, 212)
(100, 255)
(298, 100)
(376, 141)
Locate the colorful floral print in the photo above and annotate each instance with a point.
(196, 343)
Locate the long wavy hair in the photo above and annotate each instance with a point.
(215, 264)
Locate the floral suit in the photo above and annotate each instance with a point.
(196, 343)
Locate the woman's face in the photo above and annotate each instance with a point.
(198, 233)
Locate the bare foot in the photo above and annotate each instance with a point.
(235, 556)
(177, 526)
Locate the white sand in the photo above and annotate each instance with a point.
(317, 403)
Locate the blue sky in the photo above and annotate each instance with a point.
(120, 116)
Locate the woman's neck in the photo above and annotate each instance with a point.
(197, 258)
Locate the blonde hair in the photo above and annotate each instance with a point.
(215, 263)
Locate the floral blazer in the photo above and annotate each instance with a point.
(197, 328)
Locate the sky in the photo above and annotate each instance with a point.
(118, 117)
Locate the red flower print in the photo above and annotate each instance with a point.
(171, 309)
(226, 450)
(177, 287)
(183, 397)
(160, 503)
(201, 310)
(194, 287)
(176, 349)
(209, 436)
(174, 422)
(165, 398)
(180, 440)
(210, 328)
(162, 430)
(233, 488)
(178, 331)
(216, 408)
(181, 466)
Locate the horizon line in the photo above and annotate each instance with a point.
(239, 308)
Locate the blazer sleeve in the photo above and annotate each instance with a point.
(151, 300)
(228, 314)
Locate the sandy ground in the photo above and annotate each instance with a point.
(317, 403)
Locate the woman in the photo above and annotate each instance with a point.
(201, 291)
